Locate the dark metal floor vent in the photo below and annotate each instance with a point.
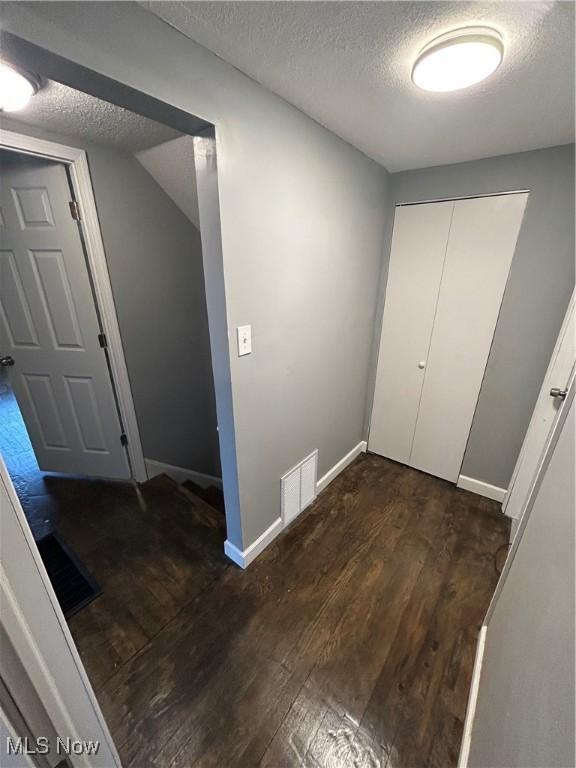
(74, 586)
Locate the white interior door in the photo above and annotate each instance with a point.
(546, 413)
(417, 256)
(39, 635)
(481, 245)
(49, 325)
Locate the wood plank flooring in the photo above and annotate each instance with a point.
(349, 642)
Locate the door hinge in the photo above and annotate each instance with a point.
(123, 439)
(74, 210)
(102, 340)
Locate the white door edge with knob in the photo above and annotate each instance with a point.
(548, 409)
(76, 163)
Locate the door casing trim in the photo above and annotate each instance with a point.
(76, 161)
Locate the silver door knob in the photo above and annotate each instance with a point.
(5, 362)
(557, 392)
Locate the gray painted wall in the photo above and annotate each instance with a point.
(302, 237)
(525, 710)
(165, 163)
(537, 294)
(154, 259)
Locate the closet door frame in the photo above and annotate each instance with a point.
(403, 204)
(456, 198)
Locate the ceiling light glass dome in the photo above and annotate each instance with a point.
(16, 87)
(458, 59)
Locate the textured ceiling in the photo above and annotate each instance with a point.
(347, 64)
(164, 152)
(73, 113)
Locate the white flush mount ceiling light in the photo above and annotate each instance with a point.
(458, 59)
(16, 87)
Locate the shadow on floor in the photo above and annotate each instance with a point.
(31, 484)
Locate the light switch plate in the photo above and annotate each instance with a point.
(244, 334)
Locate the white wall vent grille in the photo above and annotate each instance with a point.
(291, 495)
(308, 481)
(298, 488)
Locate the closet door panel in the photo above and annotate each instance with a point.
(480, 249)
(417, 256)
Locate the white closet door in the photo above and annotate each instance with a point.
(416, 260)
(481, 245)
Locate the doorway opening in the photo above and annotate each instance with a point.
(116, 464)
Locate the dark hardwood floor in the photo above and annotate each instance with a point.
(349, 642)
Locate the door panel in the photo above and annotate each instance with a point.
(42, 402)
(33, 207)
(54, 291)
(480, 249)
(49, 325)
(416, 261)
(17, 319)
(85, 411)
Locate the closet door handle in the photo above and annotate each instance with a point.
(422, 364)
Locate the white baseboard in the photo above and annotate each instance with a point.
(481, 488)
(341, 466)
(180, 474)
(472, 700)
(243, 558)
